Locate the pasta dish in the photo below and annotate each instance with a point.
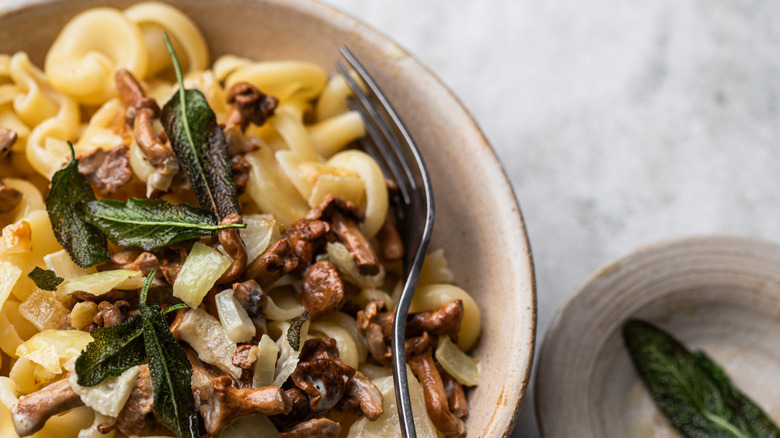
(200, 249)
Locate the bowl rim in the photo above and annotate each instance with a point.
(330, 13)
(558, 323)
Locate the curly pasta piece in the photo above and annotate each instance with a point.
(282, 79)
(153, 19)
(32, 104)
(90, 49)
(46, 149)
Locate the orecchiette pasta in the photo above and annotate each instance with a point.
(313, 205)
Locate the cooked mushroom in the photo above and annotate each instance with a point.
(244, 358)
(323, 380)
(251, 297)
(220, 403)
(140, 112)
(241, 168)
(9, 198)
(322, 291)
(456, 397)
(362, 396)
(234, 246)
(248, 105)
(300, 410)
(111, 314)
(314, 428)
(176, 324)
(133, 418)
(130, 259)
(106, 170)
(294, 252)
(390, 241)
(33, 410)
(343, 217)
(442, 321)
(375, 323)
(7, 141)
(420, 360)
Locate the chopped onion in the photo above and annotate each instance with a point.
(109, 396)
(43, 310)
(235, 321)
(83, 314)
(205, 335)
(261, 231)
(199, 273)
(457, 363)
(9, 274)
(288, 357)
(340, 257)
(265, 366)
(62, 265)
(102, 282)
(52, 348)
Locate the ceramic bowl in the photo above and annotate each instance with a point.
(478, 220)
(718, 294)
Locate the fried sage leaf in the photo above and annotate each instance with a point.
(294, 331)
(45, 279)
(174, 405)
(114, 350)
(200, 145)
(84, 243)
(691, 390)
(150, 223)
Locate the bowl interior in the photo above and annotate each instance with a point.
(718, 294)
(478, 221)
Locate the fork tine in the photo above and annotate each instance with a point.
(384, 141)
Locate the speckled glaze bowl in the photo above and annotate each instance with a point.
(717, 294)
(478, 220)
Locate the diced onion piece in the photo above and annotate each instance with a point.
(9, 338)
(457, 363)
(102, 282)
(265, 366)
(251, 426)
(199, 273)
(387, 425)
(43, 310)
(348, 352)
(8, 395)
(52, 348)
(9, 274)
(235, 321)
(83, 314)
(23, 373)
(261, 231)
(288, 357)
(109, 396)
(16, 238)
(23, 327)
(204, 334)
(62, 265)
(340, 257)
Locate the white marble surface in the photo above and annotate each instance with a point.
(618, 122)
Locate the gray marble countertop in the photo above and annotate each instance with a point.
(618, 122)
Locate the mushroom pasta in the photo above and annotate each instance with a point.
(193, 249)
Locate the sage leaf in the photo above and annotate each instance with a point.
(171, 371)
(200, 145)
(45, 279)
(150, 223)
(294, 331)
(83, 242)
(691, 390)
(114, 350)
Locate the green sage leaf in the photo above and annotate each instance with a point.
(171, 371)
(691, 390)
(45, 279)
(294, 331)
(84, 243)
(200, 145)
(114, 350)
(150, 223)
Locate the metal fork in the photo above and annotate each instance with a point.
(397, 154)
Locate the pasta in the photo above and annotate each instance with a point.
(307, 278)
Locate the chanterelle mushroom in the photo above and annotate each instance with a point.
(132, 419)
(7, 141)
(221, 403)
(9, 198)
(322, 291)
(234, 246)
(248, 105)
(362, 396)
(314, 428)
(33, 410)
(344, 217)
(106, 170)
(420, 359)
